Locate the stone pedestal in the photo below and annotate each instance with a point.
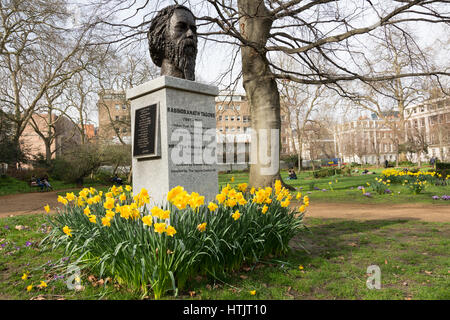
(173, 129)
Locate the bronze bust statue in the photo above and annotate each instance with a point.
(172, 40)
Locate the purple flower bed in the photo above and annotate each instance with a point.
(387, 191)
(360, 187)
(367, 194)
(444, 197)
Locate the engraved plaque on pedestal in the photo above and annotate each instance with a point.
(146, 132)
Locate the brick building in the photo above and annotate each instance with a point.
(66, 135)
(114, 119)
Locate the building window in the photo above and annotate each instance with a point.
(226, 118)
(124, 107)
(117, 107)
(238, 118)
(124, 130)
(220, 118)
(117, 118)
(238, 108)
(232, 118)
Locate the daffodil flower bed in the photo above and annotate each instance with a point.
(398, 176)
(161, 248)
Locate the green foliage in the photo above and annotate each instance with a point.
(78, 163)
(443, 168)
(326, 172)
(442, 165)
(11, 151)
(347, 171)
(291, 160)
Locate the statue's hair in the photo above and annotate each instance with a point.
(157, 32)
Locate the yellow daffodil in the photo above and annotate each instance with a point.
(212, 206)
(160, 227)
(165, 214)
(278, 187)
(231, 202)
(70, 196)
(302, 208)
(123, 197)
(67, 231)
(43, 285)
(253, 292)
(300, 267)
(147, 220)
(25, 276)
(30, 287)
(128, 188)
(221, 197)
(110, 214)
(264, 209)
(109, 203)
(242, 187)
(106, 221)
(125, 212)
(285, 203)
(232, 179)
(62, 200)
(201, 227)
(93, 218)
(236, 215)
(87, 211)
(170, 231)
(47, 208)
(298, 196)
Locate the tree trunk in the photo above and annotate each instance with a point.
(262, 93)
(48, 152)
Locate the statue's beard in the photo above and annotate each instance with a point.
(183, 54)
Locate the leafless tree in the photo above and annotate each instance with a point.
(327, 38)
(38, 53)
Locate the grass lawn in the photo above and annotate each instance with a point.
(9, 185)
(413, 257)
(346, 188)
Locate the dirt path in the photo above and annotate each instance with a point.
(29, 203)
(358, 211)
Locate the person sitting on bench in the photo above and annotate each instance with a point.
(47, 184)
(40, 184)
(292, 175)
(117, 180)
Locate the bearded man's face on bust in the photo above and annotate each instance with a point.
(181, 45)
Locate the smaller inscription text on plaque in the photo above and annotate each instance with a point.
(146, 132)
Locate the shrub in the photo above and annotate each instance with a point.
(326, 172)
(26, 174)
(347, 171)
(161, 249)
(443, 168)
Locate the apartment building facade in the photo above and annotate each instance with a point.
(428, 128)
(366, 140)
